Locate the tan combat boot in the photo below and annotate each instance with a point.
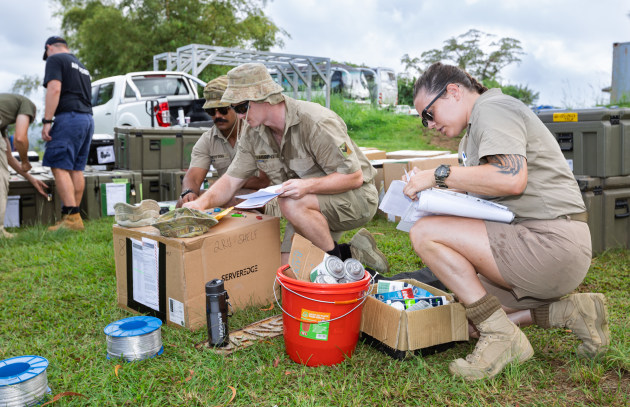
(72, 222)
(500, 343)
(363, 248)
(586, 315)
(5, 234)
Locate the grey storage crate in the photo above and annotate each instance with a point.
(151, 185)
(171, 184)
(35, 208)
(91, 203)
(616, 207)
(593, 195)
(594, 141)
(154, 149)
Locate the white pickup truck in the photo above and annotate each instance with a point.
(146, 99)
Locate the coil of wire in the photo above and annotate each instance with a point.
(134, 338)
(23, 380)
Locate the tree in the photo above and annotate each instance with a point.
(466, 52)
(26, 84)
(113, 37)
(480, 55)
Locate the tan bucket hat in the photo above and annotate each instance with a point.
(214, 91)
(134, 216)
(249, 81)
(184, 222)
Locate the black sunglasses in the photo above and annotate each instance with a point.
(241, 108)
(213, 110)
(426, 116)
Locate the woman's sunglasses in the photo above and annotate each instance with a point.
(426, 116)
(241, 108)
(213, 110)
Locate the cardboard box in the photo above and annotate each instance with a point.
(375, 154)
(242, 251)
(395, 169)
(409, 154)
(412, 330)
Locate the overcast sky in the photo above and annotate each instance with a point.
(568, 43)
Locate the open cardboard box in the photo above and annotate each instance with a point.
(242, 251)
(413, 330)
(399, 330)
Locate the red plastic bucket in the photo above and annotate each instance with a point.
(314, 343)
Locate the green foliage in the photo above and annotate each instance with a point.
(112, 38)
(523, 93)
(466, 51)
(405, 90)
(26, 84)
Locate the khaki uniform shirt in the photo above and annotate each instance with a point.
(11, 106)
(501, 124)
(315, 143)
(214, 149)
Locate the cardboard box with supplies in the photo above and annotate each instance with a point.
(165, 277)
(414, 330)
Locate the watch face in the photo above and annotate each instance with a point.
(441, 171)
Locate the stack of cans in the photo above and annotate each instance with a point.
(334, 271)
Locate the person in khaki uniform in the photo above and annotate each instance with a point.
(505, 274)
(18, 110)
(327, 182)
(217, 146)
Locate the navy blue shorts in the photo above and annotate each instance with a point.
(70, 145)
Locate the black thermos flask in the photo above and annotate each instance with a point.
(217, 313)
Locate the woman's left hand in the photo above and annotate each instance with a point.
(419, 181)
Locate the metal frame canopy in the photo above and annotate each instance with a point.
(194, 58)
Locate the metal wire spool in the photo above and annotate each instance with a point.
(134, 338)
(23, 380)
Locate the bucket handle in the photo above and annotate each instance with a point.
(362, 299)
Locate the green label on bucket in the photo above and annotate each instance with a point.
(315, 331)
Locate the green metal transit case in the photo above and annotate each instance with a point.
(595, 142)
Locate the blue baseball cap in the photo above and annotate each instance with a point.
(55, 39)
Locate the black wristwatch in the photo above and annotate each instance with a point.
(186, 192)
(441, 173)
(46, 121)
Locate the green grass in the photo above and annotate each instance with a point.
(59, 292)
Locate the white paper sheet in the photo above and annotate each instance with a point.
(144, 255)
(105, 154)
(114, 193)
(258, 198)
(439, 202)
(12, 214)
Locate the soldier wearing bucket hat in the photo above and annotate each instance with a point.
(217, 146)
(327, 182)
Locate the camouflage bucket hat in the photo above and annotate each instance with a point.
(184, 222)
(249, 81)
(214, 91)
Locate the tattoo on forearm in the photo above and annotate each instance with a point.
(507, 163)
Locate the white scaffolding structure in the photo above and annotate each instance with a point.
(194, 58)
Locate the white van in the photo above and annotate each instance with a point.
(383, 86)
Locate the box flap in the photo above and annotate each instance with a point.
(304, 257)
(381, 321)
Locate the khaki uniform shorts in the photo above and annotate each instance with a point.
(345, 211)
(542, 260)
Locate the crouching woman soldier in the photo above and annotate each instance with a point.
(505, 274)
